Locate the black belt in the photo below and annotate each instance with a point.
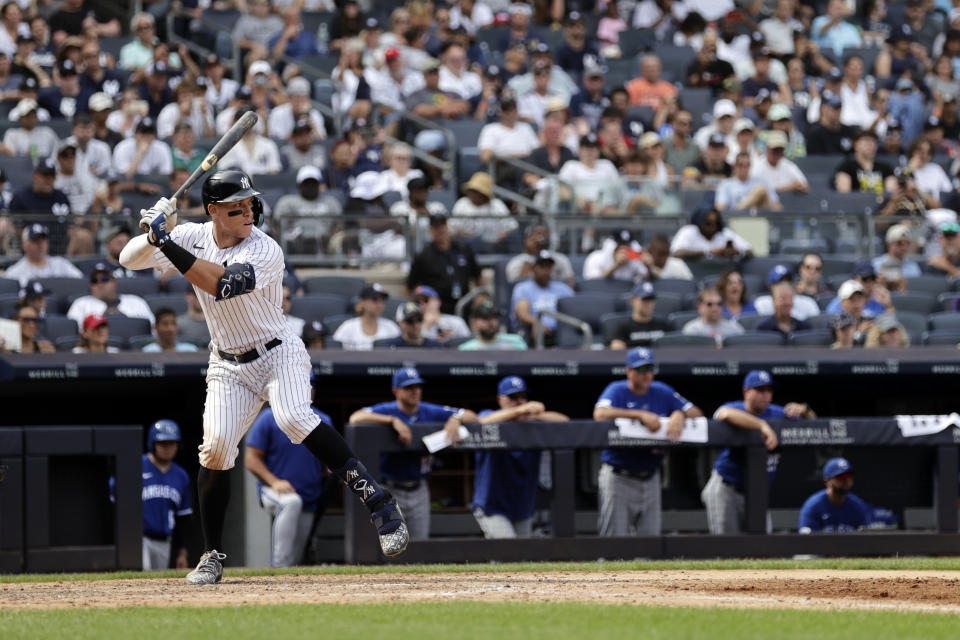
(249, 356)
(153, 536)
(636, 475)
(409, 485)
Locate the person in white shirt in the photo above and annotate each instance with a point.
(781, 173)
(189, 105)
(390, 86)
(359, 334)
(724, 119)
(537, 239)
(37, 261)
(661, 264)
(103, 299)
(533, 104)
(254, 154)
(778, 29)
(220, 90)
(78, 185)
(855, 96)
(591, 177)
(509, 137)
(744, 132)
(649, 14)
(803, 306)
(29, 139)
(400, 171)
(478, 201)
(143, 153)
(711, 322)
(619, 258)
(436, 324)
(708, 236)
(743, 192)
(92, 154)
(471, 15)
(454, 76)
(929, 176)
(283, 117)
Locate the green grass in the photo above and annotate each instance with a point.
(463, 621)
(880, 564)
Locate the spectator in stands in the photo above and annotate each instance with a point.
(629, 480)
(95, 76)
(185, 154)
(485, 324)
(41, 196)
(254, 154)
(804, 306)
(446, 265)
(876, 297)
(352, 98)
(708, 236)
(641, 329)
(723, 494)
(862, 173)
(711, 322)
(780, 121)
(892, 145)
(192, 325)
(950, 119)
(418, 210)
(141, 51)
(533, 104)
(309, 201)
(478, 201)
(166, 332)
(347, 24)
(616, 145)
(537, 294)
(907, 104)
(92, 155)
(436, 324)
(219, 89)
(930, 177)
(550, 157)
(832, 31)
(777, 171)
(29, 139)
(886, 332)
(855, 96)
(143, 154)
(844, 328)
(507, 138)
(835, 509)
(537, 239)
(434, 103)
(733, 294)
(104, 299)
(283, 117)
(101, 107)
(471, 15)
(778, 29)
(948, 260)
(94, 336)
(79, 187)
(680, 151)
(359, 334)
(30, 340)
(707, 70)
(659, 262)
(34, 295)
(578, 46)
(390, 85)
(743, 192)
(254, 30)
(724, 119)
(895, 266)
(293, 41)
(744, 132)
(592, 178)
(560, 83)
(114, 240)
(782, 319)
(905, 200)
(410, 320)
(760, 80)
(73, 19)
(454, 76)
(618, 258)
(829, 136)
(810, 272)
(650, 89)
(67, 97)
(400, 172)
(900, 57)
(301, 150)
(294, 323)
(587, 106)
(851, 300)
(712, 167)
(189, 106)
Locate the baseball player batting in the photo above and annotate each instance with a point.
(237, 273)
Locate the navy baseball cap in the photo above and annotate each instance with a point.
(717, 140)
(36, 230)
(832, 99)
(406, 377)
(511, 385)
(757, 378)
(409, 312)
(842, 320)
(835, 467)
(373, 291)
(643, 291)
(34, 289)
(777, 274)
(639, 357)
(424, 290)
(864, 270)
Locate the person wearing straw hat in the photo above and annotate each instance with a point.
(478, 201)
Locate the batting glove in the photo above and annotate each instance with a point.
(165, 207)
(157, 233)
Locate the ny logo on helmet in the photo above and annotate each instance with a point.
(245, 182)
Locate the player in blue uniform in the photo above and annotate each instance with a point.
(290, 483)
(166, 498)
(405, 473)
(835, 509)
(629, 480)
(723, 493)
(505, 483)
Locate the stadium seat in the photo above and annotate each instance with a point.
(675, 61)
(674, 285)
(9, 285)
(928, 284)
(604, 285)
(468, 163)
(8, 304)
(318, 306)
(755, 339)
(797, 247)
(677, 339)
(748, 322)
(347, 286)
(138, 286)
(761, 265)
(446, 197)
(920, 302)
(113, 44)
(54, 327)
(174, 301)
(176, 284)
(125, 327)
(944, 321)
(491, 36)
(330, 344)
(915, 324)
(588, 307)
(821, 321)
(754, 283)
(454, 343)
(812, 338)
(635, 41)
(836, 266)
(680, 318)
(699, 102)
(610, 322)
(66, 287)
(331, 323)
(806, 203)
(67, 343)
(390, 306)
(867, 54)
(137, 343)
(948, 301)
(466, 131)
(19, 169)
(948, 337)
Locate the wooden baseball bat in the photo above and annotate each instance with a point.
(224, 144)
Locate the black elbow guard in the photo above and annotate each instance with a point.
(238, 279)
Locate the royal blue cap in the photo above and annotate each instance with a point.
(639, 357)
(836, 466)
(511, 385)
(424, 290)
(406, 377)
(644, 290)
(757, 378)
(777, 274)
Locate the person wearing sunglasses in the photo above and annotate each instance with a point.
(104, 299)
(711, 321)
(835, 509)
(948, 260)
(30, 340)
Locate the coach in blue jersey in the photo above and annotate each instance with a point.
(835, 509)
(291, 484)
(166, 498)
(505, 484)
(629, 481)
(405, 473)
(723, 493)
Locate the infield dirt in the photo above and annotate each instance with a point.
(933, 591)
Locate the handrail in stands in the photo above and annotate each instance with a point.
(574, 322)
(469, 297)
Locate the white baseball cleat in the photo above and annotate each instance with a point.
(209, 570)
(391, 529)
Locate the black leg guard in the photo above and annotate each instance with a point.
(213, 488)
(355, 475)
(328, 445)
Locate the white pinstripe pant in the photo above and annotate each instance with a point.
(235, 393)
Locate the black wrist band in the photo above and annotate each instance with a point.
(180, 257)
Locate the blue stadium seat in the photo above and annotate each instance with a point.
(331, 323)
(679, 318)
(347, 286)
(821, 321)
(54, 327)
(915, 324)
(610, 322)
(465, 130)
(8, 304)
(621, 71)
(318, 306)
(944, 321)
(919, 302)
(588, 307)
(699, 102)
(604, 285)
(812, 338)
(675, 61)
(868, 54)
(674, 285)
(138, 286)
(176, 284)
(928, 284)
(677, 339)
(755, 339)
(125, 327)
(948, 301)
(750, 321)
(67, 286)
(947, 337)
(753, 283)
(9, 285)
(113, 44)
(635, 41)
(174, 301)
(468, 163)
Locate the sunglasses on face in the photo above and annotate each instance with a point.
(519, 397)
(101, 279)
(30, 320)
(647, 368)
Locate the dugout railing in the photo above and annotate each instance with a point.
(563, 439)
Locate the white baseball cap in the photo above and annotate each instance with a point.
(25, 106)
(308, 172)
(897, 232)
(298, 86)
(368, 186)
(849, 288)
(260, 66)
(724, 107)
(100, 101)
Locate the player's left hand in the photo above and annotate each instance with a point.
(794, 409)
(157, 233)
(675, 426)
(452, 429)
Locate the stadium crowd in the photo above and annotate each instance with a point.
(441, 140)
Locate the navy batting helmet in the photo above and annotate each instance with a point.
(232, 185)
(163, 431)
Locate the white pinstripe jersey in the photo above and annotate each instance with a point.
(254, 318)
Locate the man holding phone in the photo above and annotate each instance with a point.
(620, 258)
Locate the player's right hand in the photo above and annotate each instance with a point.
(769, 436)
(166, 207)
(282, 486)
(403, 431)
